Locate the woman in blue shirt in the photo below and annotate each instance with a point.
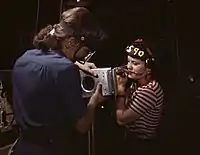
(47, 95)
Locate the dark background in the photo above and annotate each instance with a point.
(171, 29)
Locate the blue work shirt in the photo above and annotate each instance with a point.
(46, 92)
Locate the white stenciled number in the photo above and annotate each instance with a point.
(140, 53)
(129, 48)
(136, 50)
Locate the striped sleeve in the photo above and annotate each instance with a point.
(143, 100)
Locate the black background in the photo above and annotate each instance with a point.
(171, 29)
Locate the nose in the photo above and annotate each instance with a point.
(129, 66)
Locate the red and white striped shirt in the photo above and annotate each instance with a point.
(147, 101)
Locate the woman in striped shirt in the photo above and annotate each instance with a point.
(139, 106)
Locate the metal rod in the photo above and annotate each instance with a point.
(61, 8)
(93, 139)
(89, 142)
(176, 36)
(37, 16)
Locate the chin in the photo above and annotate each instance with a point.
(133, 77)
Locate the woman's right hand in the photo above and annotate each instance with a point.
(97, 97)
(121, 84)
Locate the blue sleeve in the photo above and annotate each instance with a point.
(70, 93)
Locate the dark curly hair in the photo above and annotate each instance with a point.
(75, 22)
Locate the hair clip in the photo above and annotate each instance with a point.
(139, 40)
(82, 38)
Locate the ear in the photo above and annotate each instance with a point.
(148, 70)
(70, 42)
